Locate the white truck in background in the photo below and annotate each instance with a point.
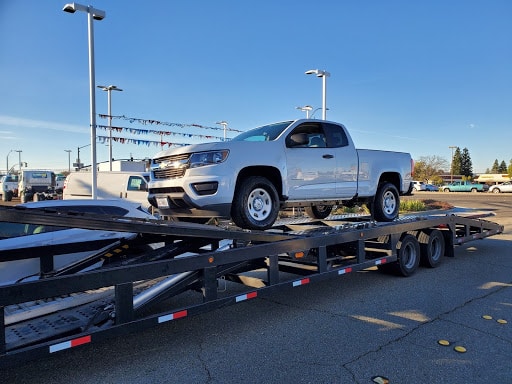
(36, 185)
(130, 186)
(8, 187)
(303, 163)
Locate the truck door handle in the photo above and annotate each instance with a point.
(327, 156)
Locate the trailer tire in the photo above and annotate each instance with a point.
(432, 247)
(9, 195)
(386, 204)
(408, 250)
(319, 211)
(256, 204)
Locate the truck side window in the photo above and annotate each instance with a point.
(336, 136)
(315, 134)
(136, 183)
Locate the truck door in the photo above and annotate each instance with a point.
(346, 159)
(311, 165)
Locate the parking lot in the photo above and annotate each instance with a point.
(345, 330)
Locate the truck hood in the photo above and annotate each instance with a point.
(193, 148)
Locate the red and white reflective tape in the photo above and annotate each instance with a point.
(301, 282)
(172, 316)
(70, 344)
(380, 261)
(344, 270)
(247, 296)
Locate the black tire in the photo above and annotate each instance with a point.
(446, 190)
(9, 195)
(408, 250)
(23, 198)
(318, 211)
(432, 247)
(256, 204)
(386, 204)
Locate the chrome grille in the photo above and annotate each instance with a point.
(176, 166)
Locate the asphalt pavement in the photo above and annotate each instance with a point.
(364, 327)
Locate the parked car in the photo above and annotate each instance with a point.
(15, 236)
(418, 186)
(464, 186)
(503, 187)
(431, 188)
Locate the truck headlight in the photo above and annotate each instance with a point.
(201, 159)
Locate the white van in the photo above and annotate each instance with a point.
(131, 186)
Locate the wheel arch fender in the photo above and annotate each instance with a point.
(270, 173)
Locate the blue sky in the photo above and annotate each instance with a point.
(405, 75)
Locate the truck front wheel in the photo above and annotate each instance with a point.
(386, 203)
(256, 204)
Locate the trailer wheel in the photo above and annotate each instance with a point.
(408, 255)
(431, 247)
(386, 204)
(318, 211)
(256, 204)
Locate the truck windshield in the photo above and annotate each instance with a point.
(264, 133)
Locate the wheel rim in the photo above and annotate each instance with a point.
(435, 249)
(389, 203)
(409, 256)
(496, 190)
(259, 204)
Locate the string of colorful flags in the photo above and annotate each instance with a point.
(160, 132)
(127, 140)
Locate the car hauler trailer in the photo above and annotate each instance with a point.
(198, 268)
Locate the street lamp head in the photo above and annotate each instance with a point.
(317, 72)
(109, 88)
(305, 108)
(97, 14)
(69, 8)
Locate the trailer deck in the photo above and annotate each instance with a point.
(199, 268)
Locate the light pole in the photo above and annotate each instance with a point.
(452, 147)
(306, 108)
(7, 166)
(69, 159)
(19, 157)
(109, 90)
(224, 125)
(78, 164)
(323, 75)
(92, 14)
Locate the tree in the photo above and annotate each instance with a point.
(495, 167)
(466, 166)
(503, 167)
(456, 168)
(429, 168)
(509, 169)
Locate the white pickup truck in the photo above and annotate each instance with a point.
(302, 163)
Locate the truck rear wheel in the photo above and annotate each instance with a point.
(431, 247)
(256, 204)
(319, 211)
(408, 255)
(386, 203)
